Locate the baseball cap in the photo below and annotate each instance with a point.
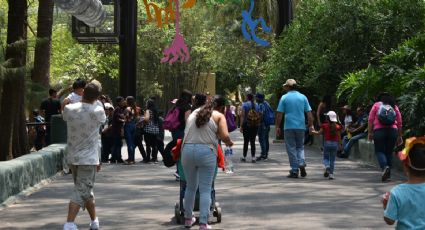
(290, 82)
(332, 116)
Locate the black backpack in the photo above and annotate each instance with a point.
(167, 156)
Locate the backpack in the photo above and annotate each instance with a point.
(171, 121)
(167, 157)
(386, 114)
(268, 115)
(253, 118)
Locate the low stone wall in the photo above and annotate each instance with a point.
(365, 152)
(21, 173)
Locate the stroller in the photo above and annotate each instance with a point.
(215, 208)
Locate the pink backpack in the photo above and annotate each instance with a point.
(171, 121)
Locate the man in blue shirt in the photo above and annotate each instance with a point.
(294, 105)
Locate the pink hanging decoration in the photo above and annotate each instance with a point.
(178, 48)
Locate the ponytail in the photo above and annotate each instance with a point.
(204, 114)
(333, 128)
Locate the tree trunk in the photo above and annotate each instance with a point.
(13, 138)
(285, 15)
(41, 73)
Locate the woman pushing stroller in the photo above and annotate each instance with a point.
(204, 128)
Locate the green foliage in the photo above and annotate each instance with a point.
(331, 38)
(402, 72)
(71, 60)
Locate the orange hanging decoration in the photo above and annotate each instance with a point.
(163, 16)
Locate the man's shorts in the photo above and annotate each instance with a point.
(84, 177)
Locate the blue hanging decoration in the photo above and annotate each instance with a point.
(249, 23)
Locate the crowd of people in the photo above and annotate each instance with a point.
(202, 122)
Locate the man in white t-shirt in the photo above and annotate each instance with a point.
(83, 122)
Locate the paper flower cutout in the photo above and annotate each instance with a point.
(410, 142)
(252, 24)
(178, 49)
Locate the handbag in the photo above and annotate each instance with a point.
(230, 120)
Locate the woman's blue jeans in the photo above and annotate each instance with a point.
(130, 139)
(385, 140)
(263, 138)
(329, 152)
(199, 162)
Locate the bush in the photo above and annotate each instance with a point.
(402, 72)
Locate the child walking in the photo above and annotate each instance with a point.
(405, 203)
(331, 130)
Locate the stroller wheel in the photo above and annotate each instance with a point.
(177, 214)
(218, 214)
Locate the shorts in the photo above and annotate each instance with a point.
(84, 177)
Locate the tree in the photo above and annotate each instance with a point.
(328, 39)
(402, 72)
(13, 138)
(41, 72)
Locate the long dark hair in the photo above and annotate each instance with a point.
(386, 98)
(150, 105)
(250, 98)
(205, 112)
(332, 126)
(327, 100)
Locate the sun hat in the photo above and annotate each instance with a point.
(290, 82)
(332, 116)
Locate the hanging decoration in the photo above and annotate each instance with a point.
(178, 49)
(163, 16)
(247, 21)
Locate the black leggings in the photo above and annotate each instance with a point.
(249, 135)
(151, 146)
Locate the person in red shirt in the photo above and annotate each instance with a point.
(331, 130)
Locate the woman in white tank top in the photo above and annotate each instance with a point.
(204, 128)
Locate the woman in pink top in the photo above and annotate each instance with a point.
(385, 136)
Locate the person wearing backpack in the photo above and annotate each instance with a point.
(385, 129)
(268, 118)
(250, 121)
(178, 115)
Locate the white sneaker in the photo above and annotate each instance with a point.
(94, 225)
(70, 226)
(204, 226)
(331, 176)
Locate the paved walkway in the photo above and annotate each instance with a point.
(256, 196)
